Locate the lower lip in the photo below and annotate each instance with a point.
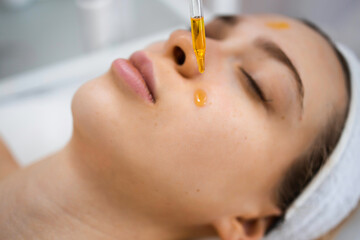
(126, 72)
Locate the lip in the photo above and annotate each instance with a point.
(138, 74)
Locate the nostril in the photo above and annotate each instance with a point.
(179, 55)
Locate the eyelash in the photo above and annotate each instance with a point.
(255, 86)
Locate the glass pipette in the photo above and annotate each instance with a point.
(198, 32)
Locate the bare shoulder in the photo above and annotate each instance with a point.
(7, 162)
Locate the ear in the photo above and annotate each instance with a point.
(233, 228)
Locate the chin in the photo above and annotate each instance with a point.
(93, 107)
(104, 117)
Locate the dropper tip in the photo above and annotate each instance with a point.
(201, 64)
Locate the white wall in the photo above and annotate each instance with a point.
(339, 18)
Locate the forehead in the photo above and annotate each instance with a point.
(310, 53)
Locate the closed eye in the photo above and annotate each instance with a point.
(255, 86)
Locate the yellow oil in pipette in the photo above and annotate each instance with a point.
(199, 43)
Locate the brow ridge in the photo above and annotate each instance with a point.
(231, 20)
(274, 51)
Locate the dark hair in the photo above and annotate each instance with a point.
(306, 166)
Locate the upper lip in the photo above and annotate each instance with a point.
(145, 67)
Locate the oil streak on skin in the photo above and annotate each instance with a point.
(200, 98)
(278, 25)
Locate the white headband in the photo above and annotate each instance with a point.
(335, 190)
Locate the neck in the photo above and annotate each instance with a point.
(55, 199)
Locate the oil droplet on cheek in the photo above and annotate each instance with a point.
(278, 25)
(200, 98)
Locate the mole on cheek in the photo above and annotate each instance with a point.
(278, 25)
(200, 98)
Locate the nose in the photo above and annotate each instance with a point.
(179, 48)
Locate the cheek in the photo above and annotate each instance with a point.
(214, 142)
(236, 130)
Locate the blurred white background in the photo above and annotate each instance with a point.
(37, 33)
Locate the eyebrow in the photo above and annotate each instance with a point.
(274, 51)
(229, 20)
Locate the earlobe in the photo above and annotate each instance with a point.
(232, 228)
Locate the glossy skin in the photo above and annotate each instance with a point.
(189, 166)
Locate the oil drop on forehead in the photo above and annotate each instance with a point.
(200, 98)
(278, 25)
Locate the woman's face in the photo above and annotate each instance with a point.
(227, 157)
